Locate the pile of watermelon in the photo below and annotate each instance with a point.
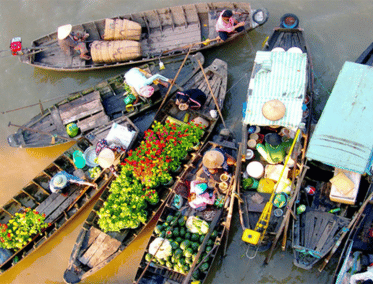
(185, 245)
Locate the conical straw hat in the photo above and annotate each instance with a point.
(64, 31)
(274, 110)
(213, 159)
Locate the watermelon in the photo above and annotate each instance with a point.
(182, 221)
(189, 260)
(158, 229)
(187, 236)
(169, 218)
(188, 252)
(194, 237)
(201, 238)
(178, 240)
(208, 248)
(204, 266)
(181, 261)
(195, 246)
(169, 234)
(176, 232)
(148, 257)
(214, 234)
(185, 244)
(162, 234)
(182, 232)
(210, 242)
(203, 257)
(161, 261)
(173, 222)
(174, 245)
(195, 274)
(185, 268)
(178, 214)
(178, 253)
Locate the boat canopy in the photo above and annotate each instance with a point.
(281, 76)
(343, 137)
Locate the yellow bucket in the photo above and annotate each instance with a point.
(251, 236)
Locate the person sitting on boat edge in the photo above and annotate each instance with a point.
(69, 41)
(227, 25)
(139, 81)
(193, 99)
(61, 181)
(274, 149)
(199, 196)
(216, 159)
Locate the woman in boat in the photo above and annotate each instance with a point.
(199, 196)
(139, 81)
(61, 180)
(69, 41)
(274, 150)
(193, 99)
(215, 160)
(227, 25)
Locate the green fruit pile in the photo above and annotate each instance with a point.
(185, 245)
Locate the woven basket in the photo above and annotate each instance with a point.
(122, 30)
(115, 51)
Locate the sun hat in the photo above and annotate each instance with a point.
(274, 110)
(146, 91)
(59, 181)
(213, 159)
(106, 158)
(183, 106)
(273, 139)
(64, 31)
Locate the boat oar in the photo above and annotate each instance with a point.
(287, 215)
(212, 94)
(203, 245)
(42, 132)
(350, 227)
(233, 194)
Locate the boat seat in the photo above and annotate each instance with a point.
(87, 112)
(101, 246)
(168, 37)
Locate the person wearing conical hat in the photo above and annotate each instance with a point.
(215, 160)
(69, 41)
(61, 181)
(193, 99)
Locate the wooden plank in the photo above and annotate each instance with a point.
(92, 235)
(47, 202)
(93, 121)
(324, 236)
(62, 207)
(178, 15)
(79, 101)
(93, 248)
(81, 111)
(56, 118)
(106, 249)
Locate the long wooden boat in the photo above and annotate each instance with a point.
(163, 32)
(85, 258)
(282, 73)
(96, 105)
(59, 209)
(189, 249)
(336, 162)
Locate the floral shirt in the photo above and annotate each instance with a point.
(201, 200)
(222, 26)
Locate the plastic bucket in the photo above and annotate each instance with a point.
(280, 200)
(79, 160)
(255, 169)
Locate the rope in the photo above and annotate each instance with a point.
(325, 89)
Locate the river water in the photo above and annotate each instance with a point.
(336, 31)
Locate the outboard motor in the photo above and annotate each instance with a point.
(16, 46)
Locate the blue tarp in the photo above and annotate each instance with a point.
(343, 137)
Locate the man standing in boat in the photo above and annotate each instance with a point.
(227, 25)
(69, 41)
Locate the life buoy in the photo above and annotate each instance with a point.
(289, 21)
(260, 16)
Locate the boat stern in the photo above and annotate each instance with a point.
(14, 140)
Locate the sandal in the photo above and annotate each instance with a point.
(85, 57)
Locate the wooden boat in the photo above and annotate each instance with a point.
(159, 33)
(205, 246)
(114, 243)
(336, 161)
(59, 209)
(282, 73)
(96, 105)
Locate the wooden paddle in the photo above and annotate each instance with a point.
(205, 42)
(173, 82)
(350, 227)
(203, 245)
(42, 132)
(212, 93)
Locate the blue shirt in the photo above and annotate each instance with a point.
(135, 78)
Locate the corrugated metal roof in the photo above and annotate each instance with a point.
(281, 76)
(343, 136)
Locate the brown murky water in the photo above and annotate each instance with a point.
(336, 31)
